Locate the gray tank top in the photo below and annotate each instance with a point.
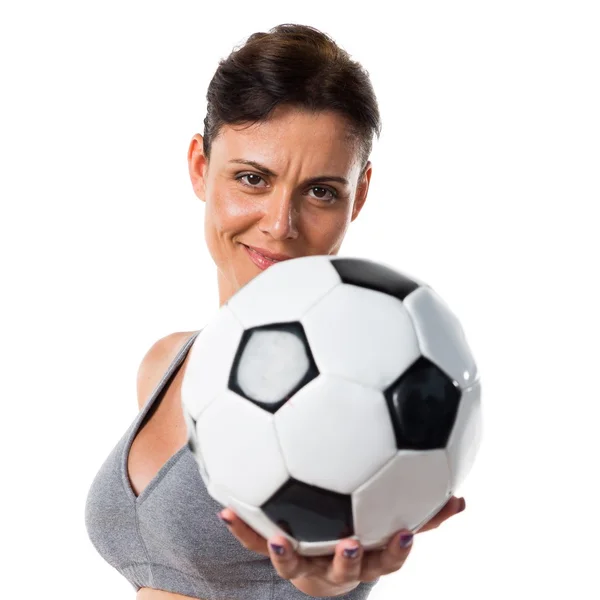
(169, 537)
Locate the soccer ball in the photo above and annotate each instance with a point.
(332, 398)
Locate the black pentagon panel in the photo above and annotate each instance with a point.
(309, 513)
(191, 443)
(280, 365)
(374, 276)
(195, 450)
(423, 403)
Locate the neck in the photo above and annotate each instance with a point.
(226, 290)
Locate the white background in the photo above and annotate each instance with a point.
(485, 184)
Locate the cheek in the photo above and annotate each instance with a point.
(227, 216)
(230, 214)
(327, 229)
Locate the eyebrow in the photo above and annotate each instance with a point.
(268, 171)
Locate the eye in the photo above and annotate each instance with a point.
(329, 200)
(240, 177)
(332, 198)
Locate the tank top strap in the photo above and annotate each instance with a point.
(162, 384)
(173, 367)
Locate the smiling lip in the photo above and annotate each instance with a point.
(260, 260)
(267, 254)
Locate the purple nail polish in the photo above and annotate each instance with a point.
(406, 540)
(279, 550)
(351, 552)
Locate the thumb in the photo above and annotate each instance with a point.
(452, 507)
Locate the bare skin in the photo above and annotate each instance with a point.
(281, 213)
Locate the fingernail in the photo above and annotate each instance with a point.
(406, 540)
(279, 550)
(351, 552)
(225, 520)
(462, 506)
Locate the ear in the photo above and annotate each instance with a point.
(362, 191)
(197, 165)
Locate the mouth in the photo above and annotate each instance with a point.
(261, 260)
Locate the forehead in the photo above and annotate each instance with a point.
(292, 135)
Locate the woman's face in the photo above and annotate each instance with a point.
(287, 203)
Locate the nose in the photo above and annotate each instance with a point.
(280, 216)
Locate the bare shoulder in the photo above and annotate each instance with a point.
(156, 361)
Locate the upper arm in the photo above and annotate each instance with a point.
(156, 361)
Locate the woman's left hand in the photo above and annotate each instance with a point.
(342, 572)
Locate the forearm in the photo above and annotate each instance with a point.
(318, 588)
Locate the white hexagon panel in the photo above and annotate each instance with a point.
(441, 336)
(268, 298)
(465, 439)
(421, 479)
(240, 449)
(209, 362)
(323, 427)
(375, 337)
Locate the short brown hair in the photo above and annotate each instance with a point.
(295, 65)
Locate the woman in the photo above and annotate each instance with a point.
(283, 170)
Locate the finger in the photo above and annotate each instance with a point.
(288, 563)
(346, 564)
(452, 507)
(247, 536)
(388, 560)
